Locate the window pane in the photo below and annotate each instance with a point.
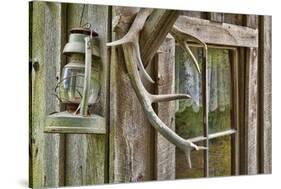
(219, 111)
(189, 114)
(220, 156)
(219, 90)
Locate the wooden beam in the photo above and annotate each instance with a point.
(205, 104)
(85, 154)
(265, 94)
(235, 142)
(165, 151)
(55, 32)
(155, 31)
(47, 24)
(251, 105)
(131, 135)
(251, 111)
(216, 17)
(220, 34)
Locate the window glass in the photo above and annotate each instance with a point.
(189, 113)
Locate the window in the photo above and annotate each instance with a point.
(220, 158)
(228, 133)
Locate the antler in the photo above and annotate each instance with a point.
(182, 38)
(130, 44)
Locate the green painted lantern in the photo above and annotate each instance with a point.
(79, 86)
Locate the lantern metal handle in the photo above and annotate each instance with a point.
(87, 78)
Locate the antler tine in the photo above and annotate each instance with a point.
(182, 38)
(133, 37)
(132, 61)
(168, 97)
(188, 50)
(140, 64)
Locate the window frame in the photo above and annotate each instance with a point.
(236, 39)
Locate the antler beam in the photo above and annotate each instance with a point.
(130, 44)
(154, 32)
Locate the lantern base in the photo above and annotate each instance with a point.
(68, 123)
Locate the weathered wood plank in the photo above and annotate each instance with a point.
(251, 104)
(251, 111)
(46, 45)
(205, 107)
(130, 132)
(53, 43)
(150, 36)
(265, 91)
(196, 14)
(216, 17)
(241, 106)
(251, 21)
(236, 19)
(37, 108)
(220, 34)
(165, 68)
(235, 117)
(85, 154)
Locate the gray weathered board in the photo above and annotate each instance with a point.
(219, 33)
(265, 92)
(165, 152)
(85, 154)
(47, 30)
(131, 136)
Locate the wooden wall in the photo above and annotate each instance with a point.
(131, 151)
(58, 159)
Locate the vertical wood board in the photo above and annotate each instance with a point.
(251, 111)
(132, 132)
(165, 151)
(46, 45)
(265, 91)
(85, 154)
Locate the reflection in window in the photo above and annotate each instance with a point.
(189, 114)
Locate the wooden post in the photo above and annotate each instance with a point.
(131, 136)
(251, 105)
(86, 154)
(47, 35)
(251, 111)
(155, 30)
(265, 91)
(165, 152)
(216, 17)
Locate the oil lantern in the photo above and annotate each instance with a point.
(79, 86)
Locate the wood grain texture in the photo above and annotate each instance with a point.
(216, 17)
(38, 110)
(241, 107)
(154, 32)
(251, 21)
(251, 111)
(85, 154)
(236, 19)
(53, 44)
(251, 104)
(130, 132)
(165, 69)
(196, 14)
(211, 33)
(265, 91)
(235, 117)
(46, 46)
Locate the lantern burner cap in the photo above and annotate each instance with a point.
(83, 30)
